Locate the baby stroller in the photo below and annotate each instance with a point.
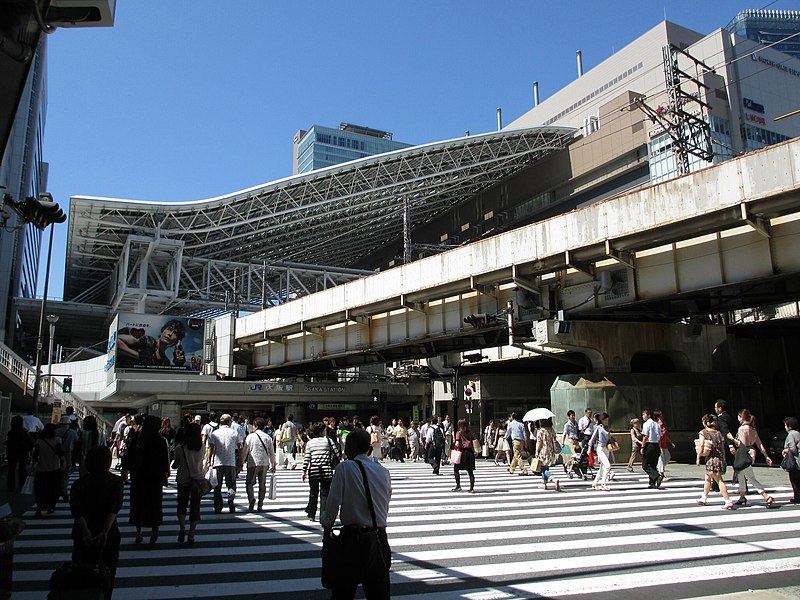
(579, 464)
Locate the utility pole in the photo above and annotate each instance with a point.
(683, 117)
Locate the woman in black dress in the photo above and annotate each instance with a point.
(95, 501)
(149, 464)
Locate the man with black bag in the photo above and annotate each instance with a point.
(359, 553)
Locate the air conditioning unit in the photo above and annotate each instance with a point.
(81, 13)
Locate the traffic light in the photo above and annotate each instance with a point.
(67, 385)
(42, 211)
(376, 395)
(479, 320)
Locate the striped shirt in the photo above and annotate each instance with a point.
(317, 463)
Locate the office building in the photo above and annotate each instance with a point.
(779, 29)
(321, 146)
(23, 173)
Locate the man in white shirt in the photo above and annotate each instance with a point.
(586, 425)
(423, 438)
(260, 457)
(651, 449)
(32, 424)
(434, 446)
(209, 427)
(288, 440)
(364, 559)
(447, 427)
(224, 447)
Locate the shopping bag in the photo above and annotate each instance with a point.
(455, 456)
(485, 451)
(27, 487)
(273, 492)
(211, 475)
(536, 464)
(280, 457)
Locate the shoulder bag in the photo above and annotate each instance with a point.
(334, 455)
(742, 458)
(703, 445)
(334, 554)
(789, 463)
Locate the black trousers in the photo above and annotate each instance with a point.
(435, 457)
(650, 462)
(366, 565)
(16, 467)
(317, 488)
(794, 479)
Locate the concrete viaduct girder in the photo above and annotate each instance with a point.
(741, 217)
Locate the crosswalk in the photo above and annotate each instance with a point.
(508, 540)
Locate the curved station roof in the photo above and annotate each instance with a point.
(332, 216)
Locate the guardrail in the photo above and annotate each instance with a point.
(18, 368)
(25, 376)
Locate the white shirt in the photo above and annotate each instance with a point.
(651, 432)
(225, 442)
(347, 494)
(32, 423)
(430, 432)
(448, 427)
(257, 455)
(586, 425)
(239, 429)
(207, 429)
(118, 425)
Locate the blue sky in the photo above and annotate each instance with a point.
(191, 99)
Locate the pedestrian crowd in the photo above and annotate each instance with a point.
(209, 454)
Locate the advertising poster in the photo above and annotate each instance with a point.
(159, 343)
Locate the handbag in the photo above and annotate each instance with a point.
(334, 457)
(455, 456)
(703, 446)
(536, 465)
(613, 445)
(476, 445)
(789, 463)
(742, 458)
(373, 438)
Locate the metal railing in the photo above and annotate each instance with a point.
(19, 369)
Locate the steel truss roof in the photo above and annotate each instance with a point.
(333, 216)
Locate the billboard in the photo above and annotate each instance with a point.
(157, 343)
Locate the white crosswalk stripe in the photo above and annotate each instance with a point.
(508, 540)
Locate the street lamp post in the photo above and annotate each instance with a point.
(37, 384)
(52, 319)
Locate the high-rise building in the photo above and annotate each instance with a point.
(779, 29)
(321, 146)
(23, 173)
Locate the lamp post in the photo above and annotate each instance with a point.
(37, 384)
(52, 319)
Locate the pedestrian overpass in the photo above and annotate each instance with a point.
(719, 239)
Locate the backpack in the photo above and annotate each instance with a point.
(438, 437)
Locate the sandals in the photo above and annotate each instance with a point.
(702, 502)
(728, 506)
(138, 538)
(741, 502)
(770, 501)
